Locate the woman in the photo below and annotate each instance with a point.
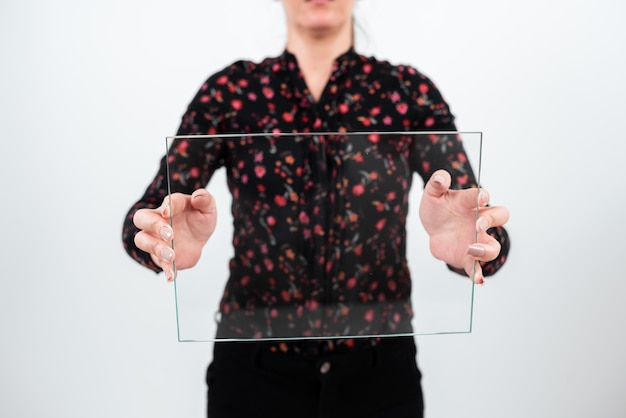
(318, 84)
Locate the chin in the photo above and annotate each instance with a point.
(318, 14)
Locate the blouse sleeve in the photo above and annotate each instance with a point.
(191, 162)
(445, 151)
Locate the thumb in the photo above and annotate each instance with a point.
(438, 184)
(203, 201)
(173, 204)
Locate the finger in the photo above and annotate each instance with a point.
(152, 221)
(173, 204)
(483, 198)
(486, 250)
(474, 271)
(470, 198)
(490, 217)
(203, 201)
(438, 184)
(155, 247)
(162, 255)
(478, 278)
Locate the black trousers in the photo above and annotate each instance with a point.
(247, 379)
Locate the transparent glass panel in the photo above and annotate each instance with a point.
(319, 236)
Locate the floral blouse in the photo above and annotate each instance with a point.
(319, 220)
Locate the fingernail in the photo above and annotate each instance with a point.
(438, 179)
(476, 251)
(167, 254)
(166, 233)
(482, 198)
(171, 274)
(482, 225)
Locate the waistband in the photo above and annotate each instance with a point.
(368, 353)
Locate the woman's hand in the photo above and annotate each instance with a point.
(193, 219)
(449, 217)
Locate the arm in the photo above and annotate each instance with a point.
(446, 152)
(192, 164)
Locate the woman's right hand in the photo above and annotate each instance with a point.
(193, 218)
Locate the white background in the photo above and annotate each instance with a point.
(89, 89)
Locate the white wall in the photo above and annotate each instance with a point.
(88, 90)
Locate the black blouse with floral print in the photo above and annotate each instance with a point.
(319, 220)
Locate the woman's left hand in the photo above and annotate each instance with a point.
(450, 219)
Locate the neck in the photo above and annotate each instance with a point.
(316, 54)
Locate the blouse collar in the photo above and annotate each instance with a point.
(341, 65)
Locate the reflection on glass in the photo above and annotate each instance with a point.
(323, 237)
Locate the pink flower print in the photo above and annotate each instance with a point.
(312, 304)
(380, 206)
(280, 200)
(304, 218)
(236, 104)
(268, 93)
(358, 189)
(182, 148)
(402, 108)
(259, 170)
